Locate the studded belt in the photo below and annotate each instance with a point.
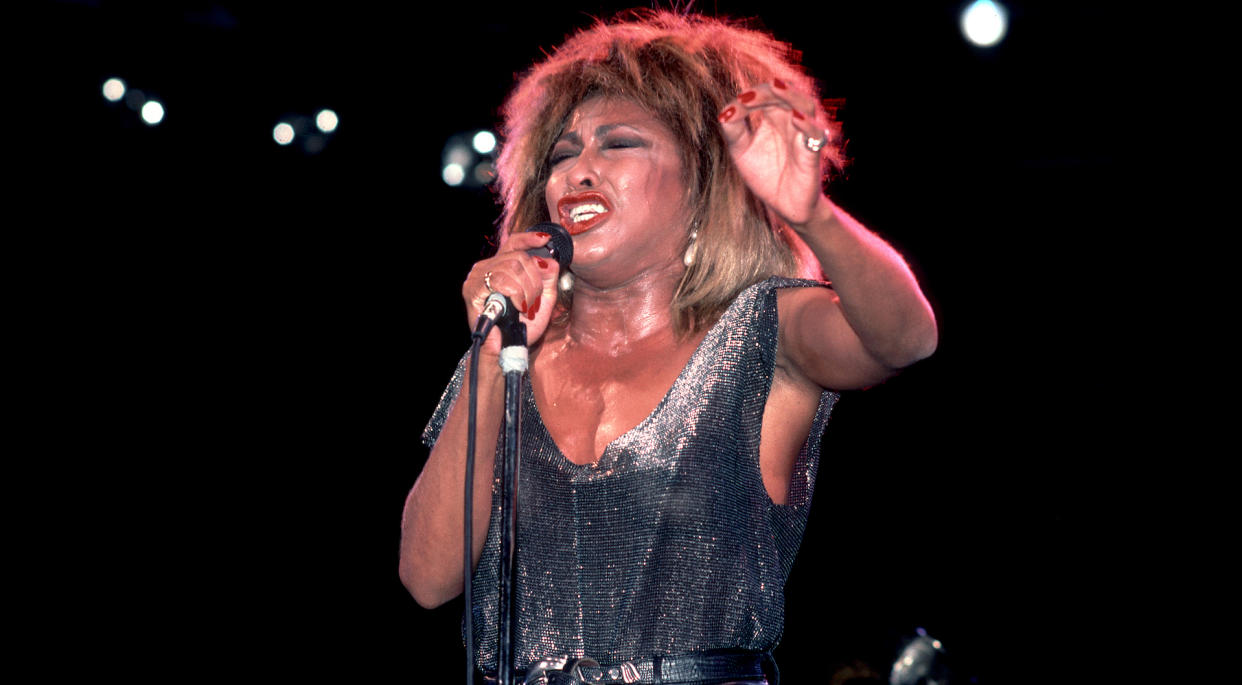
(722, 666)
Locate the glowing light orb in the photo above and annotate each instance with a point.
(113, 89)
(984, 23)
(152, 112)
(484, 173)
(453, 174)
(326, 120)
(282, 134)
(484, 142)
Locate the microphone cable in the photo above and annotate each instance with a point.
(561, 248)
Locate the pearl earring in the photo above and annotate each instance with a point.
(691, 249)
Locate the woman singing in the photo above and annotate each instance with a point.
(681, 376)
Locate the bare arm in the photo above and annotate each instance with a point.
(876, 320)
(432, 526)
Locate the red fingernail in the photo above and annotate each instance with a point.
(778, 83)
(534, 308)
(728, 113)
(747, 96)
(541, 234)
(540, 261)
(798, 115)
(523, 307)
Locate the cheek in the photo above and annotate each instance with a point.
(665, 189)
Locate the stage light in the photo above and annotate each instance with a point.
(984, 23)
(469, 159)
(484, 142)
(282, 134)
(326, 120)
(921, 662)
(113, 89)
(484, 172)
(453, 174)
(152, 112)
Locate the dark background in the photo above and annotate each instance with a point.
(238, 337)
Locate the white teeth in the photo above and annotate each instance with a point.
(584, 212)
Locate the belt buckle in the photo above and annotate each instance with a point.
(576, 670)
(626, 672)
(537, 675)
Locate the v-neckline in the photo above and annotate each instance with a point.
(533, 403)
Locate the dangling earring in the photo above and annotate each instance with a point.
(691, 249)
(566, 282)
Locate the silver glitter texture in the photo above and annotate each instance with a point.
(669, 544)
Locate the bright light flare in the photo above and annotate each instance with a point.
(453, 174)
(984, 23)
(152, 112)
(282, 134)
(113, 89)
(326, 120)
(484, 142)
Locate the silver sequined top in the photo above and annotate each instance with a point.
(669, 544)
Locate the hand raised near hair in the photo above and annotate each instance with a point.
(529, 282)
(766, 129)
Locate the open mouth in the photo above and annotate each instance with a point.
(582, 211)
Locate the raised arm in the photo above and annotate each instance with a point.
(876, 319)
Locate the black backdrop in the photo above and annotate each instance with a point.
(241, 343)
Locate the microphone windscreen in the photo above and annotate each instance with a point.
(560, 246)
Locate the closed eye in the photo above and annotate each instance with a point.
(623, 143)
(561, 155)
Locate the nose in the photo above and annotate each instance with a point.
(585, 172)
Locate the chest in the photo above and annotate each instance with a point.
(587, 399)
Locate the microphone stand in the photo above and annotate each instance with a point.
(514, 361)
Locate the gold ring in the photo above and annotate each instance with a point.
(487, 281)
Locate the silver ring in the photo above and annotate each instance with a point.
(816, 144)
(487, 281)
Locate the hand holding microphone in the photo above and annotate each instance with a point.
(519, 280)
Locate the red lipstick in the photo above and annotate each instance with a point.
(590, 207)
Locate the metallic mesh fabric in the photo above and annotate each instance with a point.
(669, 544)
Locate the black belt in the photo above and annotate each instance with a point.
(703, 667)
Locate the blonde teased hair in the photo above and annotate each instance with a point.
(682, 68)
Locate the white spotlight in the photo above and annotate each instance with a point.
(282, 134)
(326, 120)
(113, 89)
(453, 174)
(484, 142)
(152, 112)
(984, 23)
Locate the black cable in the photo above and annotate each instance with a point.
(468, 519)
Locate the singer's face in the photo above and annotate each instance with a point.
(618, 185)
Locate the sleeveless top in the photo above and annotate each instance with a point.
(669, 544)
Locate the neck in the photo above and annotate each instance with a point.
(619, 318)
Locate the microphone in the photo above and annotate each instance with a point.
(559, 247)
